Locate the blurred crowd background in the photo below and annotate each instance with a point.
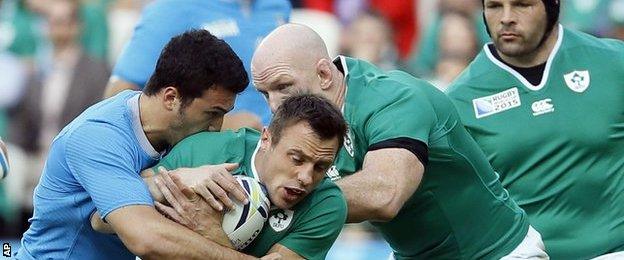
(56, 57)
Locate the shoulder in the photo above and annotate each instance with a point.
(218, 138)
(479, 69)
(575, 40)
(379, 87)
(328, 196)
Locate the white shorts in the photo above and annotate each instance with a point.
(532, 247)
(612, 256)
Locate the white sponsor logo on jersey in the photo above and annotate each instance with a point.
(222, 28)
(499, 102)
(348, 143)
(577, 81)
(280, 219)
(543, 106)
(333, 173)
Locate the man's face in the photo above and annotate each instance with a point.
(204, 113)
(63, 24)
(296, 164)
(516, 26)
(282, 80)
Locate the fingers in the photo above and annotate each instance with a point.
(160, 183)
(205, 193)
(230, 166)
(186, 191)
(230, 185)
(169, 212)
(272, 256)
(220, 194)
(173, 187)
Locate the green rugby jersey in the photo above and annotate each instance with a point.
(460, 210)
(558, 146)
(309, 229)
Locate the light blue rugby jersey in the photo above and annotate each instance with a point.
(94, 163)
(241, 25)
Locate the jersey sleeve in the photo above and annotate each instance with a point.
(409, 116)
(203, 148)
(102, 161)
(158, 24)
(316, 231)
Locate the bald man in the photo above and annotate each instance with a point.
(407, 163)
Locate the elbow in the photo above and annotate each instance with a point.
(386, 210)
(140, 248)
(144, 246)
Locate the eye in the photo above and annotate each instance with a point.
(321, 168)
(264, 93)
(296, 160)
(493, 5)
(283, 87)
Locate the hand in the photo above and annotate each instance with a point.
(213, 183)
(272, 256)
(187, 208)
(236, 120)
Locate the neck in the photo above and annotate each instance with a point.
(538, 56)
(259, 162)
(152, 122)
(66, 53)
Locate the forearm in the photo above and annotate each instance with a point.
(365, 196)
(175, 241)
(149, 235)
(387, 180)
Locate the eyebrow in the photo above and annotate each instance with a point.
(281, 79)
(223, 110)
(321, 160)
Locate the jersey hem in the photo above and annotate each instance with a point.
(125, 204)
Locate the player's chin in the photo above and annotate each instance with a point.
(284, 202)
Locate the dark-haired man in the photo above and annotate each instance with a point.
(546, 105)
(94, 162)
(290, 157)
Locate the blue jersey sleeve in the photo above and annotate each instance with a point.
(137, 61)
(102, 160)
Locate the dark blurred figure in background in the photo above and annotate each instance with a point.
(458, 44)
(55, 93)
(358, 40)
(426, 56)
(616, 16)
(400, 14)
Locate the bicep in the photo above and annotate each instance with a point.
(103, 164)
(398, 166)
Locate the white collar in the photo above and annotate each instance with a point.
(520, 77)
(133, 104)
(254, 172)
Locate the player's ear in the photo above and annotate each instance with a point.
(265, 139)
(324, 73)
(171, 97)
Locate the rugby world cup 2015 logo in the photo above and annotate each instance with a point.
(499, 102)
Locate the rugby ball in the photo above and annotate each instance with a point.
(4, 163)
(243, 224)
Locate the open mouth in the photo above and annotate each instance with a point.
(293, 193)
